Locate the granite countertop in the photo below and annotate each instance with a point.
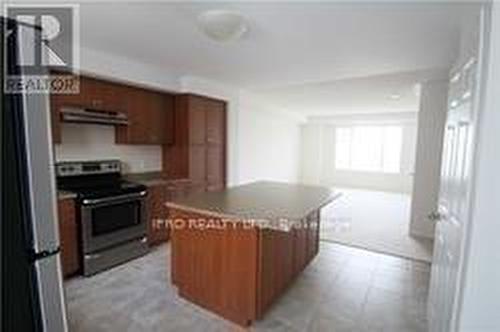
(278, 204)
(63, 194)
(153, 179)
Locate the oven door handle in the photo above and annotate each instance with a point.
(112, 199)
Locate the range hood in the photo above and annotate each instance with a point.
(86, 115)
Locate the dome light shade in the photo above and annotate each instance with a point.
(222, 25)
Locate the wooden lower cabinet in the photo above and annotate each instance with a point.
(216, 269)
(157, 214)
(235, 271)
(68, 234)
(313, 234)
(300, 237)
(276, 267)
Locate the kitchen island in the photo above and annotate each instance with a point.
(234, 252)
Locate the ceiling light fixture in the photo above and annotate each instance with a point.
(395, 96)
(222, 25)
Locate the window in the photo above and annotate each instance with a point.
(368, 148)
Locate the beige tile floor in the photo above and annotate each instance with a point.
(343, 289)
(374, 220)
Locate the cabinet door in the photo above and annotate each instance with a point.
(313, 235)
(154, 117)
(276, 266)
(197, 163)
(167, 126)
(57, 101)
(216, 121)
(158, 231)
(159, 118)
(93, 94)
(136, 131)
(55, 104)
(300, 248)
(150, 118)
(215, 165)
(68, 234)
(197, 120)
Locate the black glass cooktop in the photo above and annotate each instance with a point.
(99, 186)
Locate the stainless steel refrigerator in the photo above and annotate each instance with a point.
(32, 290)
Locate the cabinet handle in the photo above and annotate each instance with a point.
(92, 256)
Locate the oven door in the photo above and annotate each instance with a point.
(110, 221)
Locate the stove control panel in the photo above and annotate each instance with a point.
(75, 168)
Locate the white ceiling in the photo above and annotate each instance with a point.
(290, 47)
(287, 42)
(374, 94)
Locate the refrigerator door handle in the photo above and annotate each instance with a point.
(34, 256)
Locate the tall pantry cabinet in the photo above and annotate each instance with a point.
(199, 148)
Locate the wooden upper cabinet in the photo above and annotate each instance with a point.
(94, 94)
(55, 119)
(200, 120)
(150, 112)
(150, 116)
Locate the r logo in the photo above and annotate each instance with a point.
(56, 46)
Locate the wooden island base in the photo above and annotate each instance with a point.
(234, 270)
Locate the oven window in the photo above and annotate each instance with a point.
(111, 218)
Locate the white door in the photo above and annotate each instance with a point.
(454, 197)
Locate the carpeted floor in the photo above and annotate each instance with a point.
(376, 221)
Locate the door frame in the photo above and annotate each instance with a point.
(479, 105)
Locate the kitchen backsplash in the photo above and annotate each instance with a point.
(94, 142)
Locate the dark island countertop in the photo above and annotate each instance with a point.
(278, 205)
(150, 179)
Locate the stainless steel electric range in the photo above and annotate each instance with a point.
(110, 210)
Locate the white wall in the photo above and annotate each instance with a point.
(431, 119)
(481, 292)
(269, 142)
(318, 153)
(311, 161)
(94, 142)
